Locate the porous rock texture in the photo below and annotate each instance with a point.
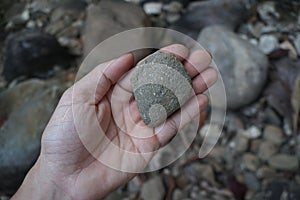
(161, 85)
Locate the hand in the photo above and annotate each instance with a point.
(78, 130)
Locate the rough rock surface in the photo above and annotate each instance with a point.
(36, 53)
(153, 189)
(200, 14)
(106, 19)
(160, 85)
(284, 162)
(24, 112)
(243, 66)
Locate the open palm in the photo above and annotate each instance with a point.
(96, 140)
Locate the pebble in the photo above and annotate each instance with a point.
(161, 85)
(284, 162)
(254, 147)
(267, 11)
(266, 150)
(265, 172)
(198, 171)
(268, 43)
(273, 134)
(243, 70)
(181, 181)
(251, 182)
(217, 153)
(272, 117)
(250, 162)
(252, 132)
(241, 143)
(153, 8)
(153, 189)
(178, 194)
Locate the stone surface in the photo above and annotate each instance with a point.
(106, 19)
(161, 85)
(205, 13)
(153, 189)
(251, 182)
(36, 53)
(252, 132)
(250, 162)
(198, 171)
(273, 134)
(284, 162)
(178, 195)
(66, 23)
(280, 190)
(266, 150)
(244, 69)
(240, 143)
(279, 15)
(268, 43)
(24, 111)
(265, 172)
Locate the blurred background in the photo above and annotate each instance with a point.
(255, 44)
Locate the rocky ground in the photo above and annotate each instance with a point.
(255, 43)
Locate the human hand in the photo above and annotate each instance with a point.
(69, 163)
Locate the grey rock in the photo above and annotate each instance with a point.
(279, 15)
(268, 43)
(25, 110)
(279, 190)
(37, 53)
(181, 181)
(267, 11)
(198, 171)
(250, 162)
(265, 172)
(161, 85)
(271, 117)
(153, 8)
(284, 162)
(106, 19)
(252, 182)
(252, 132)
(240, 143)
(266, 150)
(217, 153)
(16, 15)
(244, 69)
(254, 147)
(153, 189)
(205, 13)
(273, 134)
(178, 194)
(66, 23)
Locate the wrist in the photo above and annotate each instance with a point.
(37, 186)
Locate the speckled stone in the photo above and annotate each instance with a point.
(161, 85)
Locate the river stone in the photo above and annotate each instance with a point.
(161, 85)
(243, 66)
(284, 162)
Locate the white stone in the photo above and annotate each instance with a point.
(268, 43)
(153, 8)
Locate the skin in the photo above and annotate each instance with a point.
(69, 169)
